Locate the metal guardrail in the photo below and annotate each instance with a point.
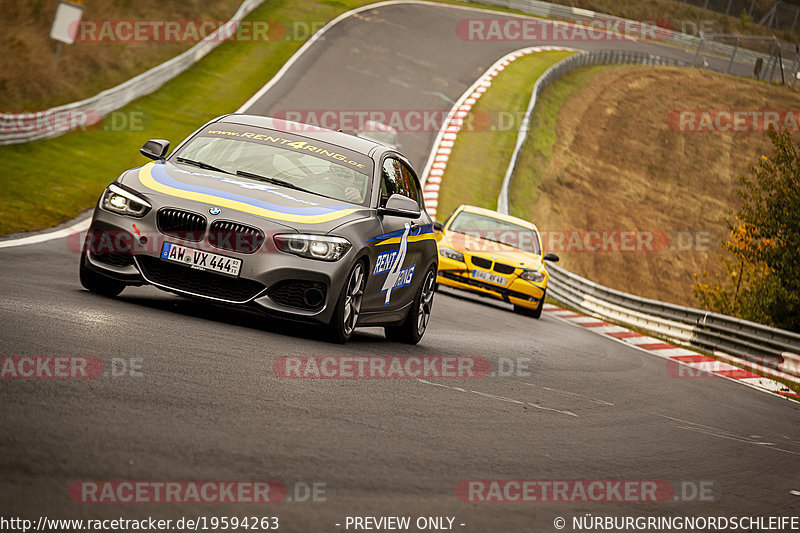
(771, 351)
(569, 13)
(93, 109)
(774, 352)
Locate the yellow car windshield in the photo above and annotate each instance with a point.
(496, 230)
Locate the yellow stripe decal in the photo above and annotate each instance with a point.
(146, 178)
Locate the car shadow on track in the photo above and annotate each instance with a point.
(238, 316)
(480, 300)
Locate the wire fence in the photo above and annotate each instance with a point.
(708, 47)
(769, 13)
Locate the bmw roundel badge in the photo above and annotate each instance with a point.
(214, 210)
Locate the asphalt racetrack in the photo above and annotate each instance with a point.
(204, 404)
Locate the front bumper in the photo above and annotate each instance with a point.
(275, 282)
(520, 292)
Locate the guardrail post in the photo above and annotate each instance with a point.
(733, 54)
(774, 57)
(699, 47)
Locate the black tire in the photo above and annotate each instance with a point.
(96, 282)
(535, 313)
(348, 306)
(415, 324)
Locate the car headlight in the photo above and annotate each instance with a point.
(118, 200)
(451, 254)
(532, 275)
(321, 247)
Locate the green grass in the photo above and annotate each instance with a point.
(538, 149)
(479, 159)
(47, 182)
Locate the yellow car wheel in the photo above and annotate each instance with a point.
(535, 313)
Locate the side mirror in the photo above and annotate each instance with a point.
(155, 149)
(400, 206)
(551, 257)
(438, 226)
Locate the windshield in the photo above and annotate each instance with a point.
(496, 230)
(278, 158)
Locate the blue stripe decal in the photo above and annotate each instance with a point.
(421, 230)
(160, 174)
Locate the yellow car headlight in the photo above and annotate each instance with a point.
(532, 275)
(451, 254)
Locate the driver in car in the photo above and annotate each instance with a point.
(352, 183)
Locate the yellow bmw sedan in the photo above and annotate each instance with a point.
(494, 255)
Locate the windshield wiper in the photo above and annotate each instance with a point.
(268, 179)
(202, 165)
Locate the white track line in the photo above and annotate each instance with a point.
(48, 236)
(499, 398)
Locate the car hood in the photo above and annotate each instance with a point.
(493, 251)
(289, 207)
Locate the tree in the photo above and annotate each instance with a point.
(760, 278)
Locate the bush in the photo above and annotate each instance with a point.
(760, 279)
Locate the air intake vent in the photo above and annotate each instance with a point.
(235, 237)
(201, 283)
(503, 269)
(182, 224)
(481, 262)
(117, 259)
(299, 293)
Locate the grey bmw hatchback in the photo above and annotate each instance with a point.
(298, 221)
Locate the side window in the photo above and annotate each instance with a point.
(391, 179)
(397, 178)
(410, 184)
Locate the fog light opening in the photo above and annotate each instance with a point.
(313, 297)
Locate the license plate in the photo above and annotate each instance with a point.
(488, 276)
(201, 260)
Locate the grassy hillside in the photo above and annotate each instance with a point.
(603, 157)
(29, 79)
